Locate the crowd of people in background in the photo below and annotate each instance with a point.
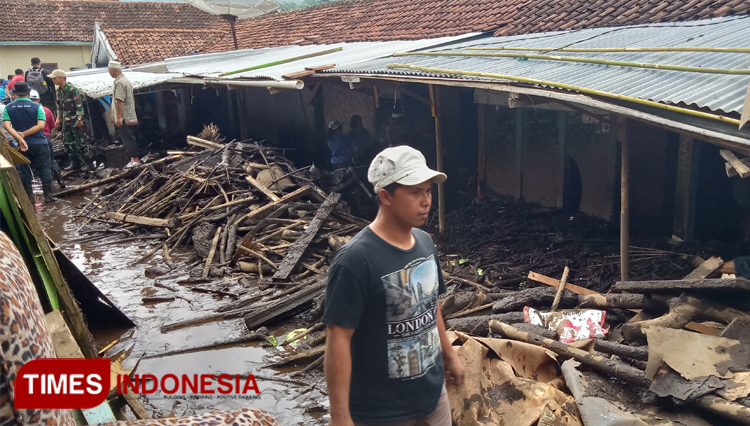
(28, 121)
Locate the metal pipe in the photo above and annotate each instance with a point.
(584, 60)
(570, 87)
(284, 84)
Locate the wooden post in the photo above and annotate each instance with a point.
(242, 108)
(561, 122)
(439, 146)
(481, 143)
(519, 153)
(686, 188)
(622, 133)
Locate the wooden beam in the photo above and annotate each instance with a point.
(742, 169)
(435, 102)
(192, 140)
(686, 188)
(270, 207)
(677, 286)
(584, 111)
(415, 96)
(562, 117)
(622, 133)
(731, 172)
(294, 254)
(482, 142)
(271, 196)
(552, 282)
(312, 94)
(140, 220)
(519, 153)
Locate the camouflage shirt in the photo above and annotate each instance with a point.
(69, 103)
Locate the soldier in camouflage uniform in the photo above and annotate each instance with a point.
(70, 119)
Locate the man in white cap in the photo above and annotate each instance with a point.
(388, 357)
(123, 112)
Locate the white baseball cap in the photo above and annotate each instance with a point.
(403, 165)
(34, 94)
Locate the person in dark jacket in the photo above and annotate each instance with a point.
(341, 147)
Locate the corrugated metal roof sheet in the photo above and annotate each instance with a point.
(211, 65)
(718, 92)
(97, 83)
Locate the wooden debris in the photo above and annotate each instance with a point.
(533, 276)
(560, 288)
(192, 140)
(295, 253)
(606, 365)
(619, 301)
(742, 169)
(682, 285)
(283, 308)
(140, 220)
(211, 254)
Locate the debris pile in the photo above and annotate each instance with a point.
(507, 239)
(673, 351)
(262, 232)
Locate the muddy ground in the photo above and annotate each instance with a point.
(110, 268)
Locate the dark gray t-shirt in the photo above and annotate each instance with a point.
(389, 296)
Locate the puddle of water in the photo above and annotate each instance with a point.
(109, 268)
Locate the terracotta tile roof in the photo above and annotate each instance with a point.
(548, 15)
(139, 46)
(74, 20)
(374, 20)
(382, 20)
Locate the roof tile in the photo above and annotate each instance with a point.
(74, 20)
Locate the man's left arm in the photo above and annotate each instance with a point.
(454, 370)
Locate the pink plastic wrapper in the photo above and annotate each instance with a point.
(572, 325)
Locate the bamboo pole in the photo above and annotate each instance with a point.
(570, 87)
(583, 60)
(621, 49)
(283, 61)
(439, 147)
(622, 133)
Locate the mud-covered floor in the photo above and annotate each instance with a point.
(110, 268)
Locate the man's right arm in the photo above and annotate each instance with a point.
(338, 372)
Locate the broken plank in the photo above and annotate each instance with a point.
(300, 358)
(294, 254)
(140, 220)
(268, 208)
(742, 169)
(682, 285)
(283, 308)
(533, 276)
(731, 172)
(192, 140)
(210, 258)
(298, 74)
(706, 269)
(465, 281)
(267, 192)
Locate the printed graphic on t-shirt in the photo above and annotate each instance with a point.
(411, 300)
